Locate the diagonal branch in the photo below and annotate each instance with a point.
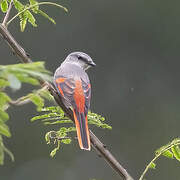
(96, 143)
(16, 48)
(7, 14)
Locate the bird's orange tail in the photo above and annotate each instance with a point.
(82, 130)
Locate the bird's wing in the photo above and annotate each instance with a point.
(65, 87)
(75, 93)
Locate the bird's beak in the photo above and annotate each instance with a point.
(92, 64)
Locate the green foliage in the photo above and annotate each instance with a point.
(4, 100)
(97, 120)
(4, 130)
(58, 137)
(4, 6)
(3, 150)
(12, 76)
(176, 152)
(54, 115)
(25, 16)
(37, 97)
(25, 11)
(152, 165)
(168, 154)
(170, 150)
(37, 100)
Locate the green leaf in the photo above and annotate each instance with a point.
(26, 79)
(37, 100)
(36, 8)
(3, 83)
(1, 155)
(63, 130)
(70, 129)
(62, 133)
(14, 83)
(2, 150)
(34, 70)
(47, 137)
(45, 116)
(175, 141)
(23, 23)
(3, 115)
(162, 149)
(31, 18)
(36, 73)
(176, 152)
(53, 152)
(57, 122)
(53, 109)
(152, 165)
(99, 124)
(39, 117)
(4, 98)
(66, 141)
(46, 16)
(168, 154)
(4, 6)
(19, 6)
(4, 130)
(39, 66)
(45, 94)
(97, 120)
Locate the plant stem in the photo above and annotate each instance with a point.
(4, 23)
(96, 143)
(156, 157)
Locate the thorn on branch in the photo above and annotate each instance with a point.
(104, 145)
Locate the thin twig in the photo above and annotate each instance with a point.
(4, 23)
(154, 159)
(25, 99)
(34, 5)
(96, 143)
(20, 101)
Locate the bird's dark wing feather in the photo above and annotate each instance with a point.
(87, 95)
(65, 87)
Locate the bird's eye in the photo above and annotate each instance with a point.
(80, 57)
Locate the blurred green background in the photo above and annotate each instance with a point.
(135, 85)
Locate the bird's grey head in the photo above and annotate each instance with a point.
(80, 59)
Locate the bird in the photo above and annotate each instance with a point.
(73, 85)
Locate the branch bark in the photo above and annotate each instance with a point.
(96, 143)
(7, 14)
